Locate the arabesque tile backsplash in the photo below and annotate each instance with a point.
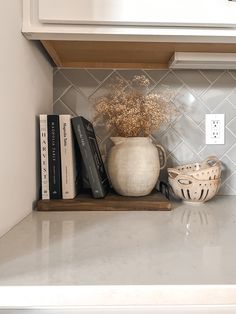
(196, 93)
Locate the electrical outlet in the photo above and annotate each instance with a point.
(215, 128)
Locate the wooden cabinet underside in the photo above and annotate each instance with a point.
(106, 54)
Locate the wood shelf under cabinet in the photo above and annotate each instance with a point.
(112, 202)
(117, 54)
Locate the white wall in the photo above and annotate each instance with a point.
(25, 91)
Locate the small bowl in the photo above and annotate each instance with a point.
(193, 190)
(209, 169)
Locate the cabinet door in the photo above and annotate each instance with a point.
(211, 13)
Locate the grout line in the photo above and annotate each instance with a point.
(68, 80)
(229, 187)
(109, 133)
(213, 82)
(159, 81)
(75, 87)
(225, 155)
(65, 91)
(232, 91)
(195, 124)
(100, 82)
(233, 190)
(225, 181)
(224, 99)
(229, 129)
(191, 91)
(183, 141)
(229, 123)
(104, 81)
(231, 74)
(185, 84)
(217, 108)
(55, 70)
(231, 101)
(67, 107)
(226, 152)
(194, 94)
(200, 71)
(201, 150)
(90, 74)
(148, 76)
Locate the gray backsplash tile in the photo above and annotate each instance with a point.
(232, 98)
(82, 80)
(156, 75)
(194, 80)
(231, 181)
(228, 167)
(233, 73)
(232, 126)
(191, 105)
(169, 80)
(190, 133)
(60, 108)
(169, 140)
(228, 109)
(232, 153)
(60, 85)
(103, 87)
(100, 74)
(196, 93)
(78, 103)
(219, 150)
(225, 189)
(219, 90)
(129, 74)
(184, 154)
(211, 75)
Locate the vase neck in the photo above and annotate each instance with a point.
(120, 140)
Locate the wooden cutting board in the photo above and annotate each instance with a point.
(112, 202)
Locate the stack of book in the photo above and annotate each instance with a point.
(63, 141)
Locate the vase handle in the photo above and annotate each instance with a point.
(163, 155)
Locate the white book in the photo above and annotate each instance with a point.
(68, 162)
(44, 156)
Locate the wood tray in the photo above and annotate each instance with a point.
(115, 202)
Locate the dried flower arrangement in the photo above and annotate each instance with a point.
(131, 111)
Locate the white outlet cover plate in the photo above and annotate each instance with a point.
(215, 128)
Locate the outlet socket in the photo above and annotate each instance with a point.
(215, 129)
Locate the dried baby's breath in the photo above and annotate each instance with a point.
(131, 110)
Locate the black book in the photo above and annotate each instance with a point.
(92, 159)
(54, 157)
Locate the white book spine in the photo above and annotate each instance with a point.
(44, 156)
(68, 165)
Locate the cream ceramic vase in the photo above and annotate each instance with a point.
(134, 165)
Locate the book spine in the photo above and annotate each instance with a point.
(68, 164)
(44, 157)
(54, 158)
(80, 133)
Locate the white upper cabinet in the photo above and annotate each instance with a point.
(206, 13)
(131, 20)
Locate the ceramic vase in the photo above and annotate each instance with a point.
(134, 165)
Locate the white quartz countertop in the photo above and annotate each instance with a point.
(183, 257)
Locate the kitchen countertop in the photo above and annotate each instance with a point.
(183, 257)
